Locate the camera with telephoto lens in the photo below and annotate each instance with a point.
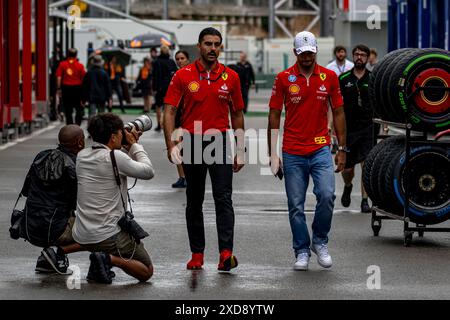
(129, 225)
(142, 123)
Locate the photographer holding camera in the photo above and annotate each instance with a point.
(103, 224)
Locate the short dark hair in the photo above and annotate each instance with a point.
(103, 125)
(72, 53)
(209, 32)
(374, 51)
(363, 48)
(339, 48)
(183, 52)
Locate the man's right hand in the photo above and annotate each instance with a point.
(174, 155)
(132, 137)
(275, 164)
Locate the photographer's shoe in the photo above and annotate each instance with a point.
(227, 261)
(42, 265)
(181, 183)
(196, 262)
(346, 196)
(59, 262)
(100, 268)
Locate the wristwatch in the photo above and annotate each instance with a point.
(343, 148)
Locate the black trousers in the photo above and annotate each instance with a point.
(245, 91)
(71, 98)
(222, 187)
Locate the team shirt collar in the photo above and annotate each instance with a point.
(298, 72)
(202, 69)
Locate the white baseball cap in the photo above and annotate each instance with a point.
(305, 41)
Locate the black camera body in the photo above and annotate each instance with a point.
(129, 225)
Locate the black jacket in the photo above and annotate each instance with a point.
(163, 70)
(247, 75)
(96, 86)
(51, 191)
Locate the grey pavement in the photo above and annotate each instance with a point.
(262, 243)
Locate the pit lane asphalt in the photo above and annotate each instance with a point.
(262, 243)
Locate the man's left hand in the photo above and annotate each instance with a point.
(339, 160)
(238, 163)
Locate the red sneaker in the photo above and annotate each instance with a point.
(227, 261)
(196, 261)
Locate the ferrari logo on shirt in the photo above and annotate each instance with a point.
(69, 72)
(323, 76)
(224, 76)
(293, 88)
(193, 86)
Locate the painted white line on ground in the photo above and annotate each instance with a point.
(170, 190)
(34, 134)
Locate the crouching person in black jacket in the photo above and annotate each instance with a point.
(51, 191)
(103, 224)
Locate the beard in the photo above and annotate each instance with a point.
(360, 65)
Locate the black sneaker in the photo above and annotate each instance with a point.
(100, 268)
(158, 128)
(346, 199)
(365, 208)
(181, 183)
(42, 265)
(59, 262)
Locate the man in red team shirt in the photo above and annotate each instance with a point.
(70, 75)
(210, 92)
(305, 89)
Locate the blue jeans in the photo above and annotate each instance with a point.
(297, 170)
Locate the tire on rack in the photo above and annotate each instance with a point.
(429, 184)
(429, 110)
(368, 163)
(375, 80)
(389, 149)
(383, 84)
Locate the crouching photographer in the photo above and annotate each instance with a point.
(103, 224)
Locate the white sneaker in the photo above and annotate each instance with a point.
(323, 257)
(302, 262)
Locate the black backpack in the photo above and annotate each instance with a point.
(49, 205)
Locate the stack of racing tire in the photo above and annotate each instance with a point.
(391, 87)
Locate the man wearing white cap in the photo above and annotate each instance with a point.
(305, 89)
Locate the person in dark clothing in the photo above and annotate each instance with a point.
(70, 75)
(182, 60)
(358, 115)
(97, 87)
(247, 77)
(144, 83)
(116, 75)
(51, 190)
(163, 69)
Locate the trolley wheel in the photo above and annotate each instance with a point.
(408, 238)
(376, 227)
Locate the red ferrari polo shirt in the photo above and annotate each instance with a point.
(306, 102)
(72, 72)
(208, 96)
